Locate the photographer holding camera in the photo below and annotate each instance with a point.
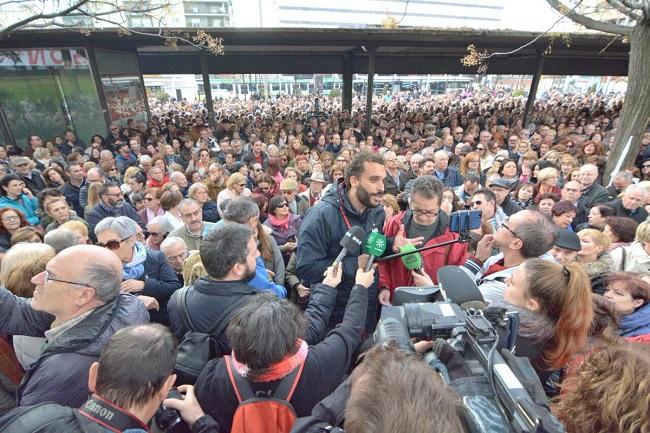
(132, 378)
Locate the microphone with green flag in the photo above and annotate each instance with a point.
(374, 246)
(413, 261)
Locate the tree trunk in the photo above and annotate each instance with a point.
(636, 108)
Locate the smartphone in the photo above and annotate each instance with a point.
(465, 220)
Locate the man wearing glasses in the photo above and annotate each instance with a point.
(111, 204)
(525, 235)
(424, 224)
(77, 306)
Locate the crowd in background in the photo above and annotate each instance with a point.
(568, 252)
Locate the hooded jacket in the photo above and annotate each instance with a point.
(636, 323)
(322, 229)
(60, 374)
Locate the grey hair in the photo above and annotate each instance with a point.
(428, 187)
(103, 278)
(188, 202)
(176, 174)
(537, 235)
(165, 225)
(61, 238)
(625, 175)
(636, 187)
(224, 247)
(171, 241)
(123, 226)
(240, 210)
(194, 187)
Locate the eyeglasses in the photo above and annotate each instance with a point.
(10, 218)
(505, 226)
(423, 212)
(283, 205)
(113, 244)
(48, 277)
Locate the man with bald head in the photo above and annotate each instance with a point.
(77, 306)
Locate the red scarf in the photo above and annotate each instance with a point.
(283, 224)
(279, 369)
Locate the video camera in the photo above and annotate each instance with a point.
(494, 396)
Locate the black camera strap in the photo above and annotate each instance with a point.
(110, 416)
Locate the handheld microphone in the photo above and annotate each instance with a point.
(413, 261)
(374, 246)
(351, 243)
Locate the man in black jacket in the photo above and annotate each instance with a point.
(130, 381)
(631, 204)
(501, 190)
(355, 202)
(228, 255)
(111, 204)
(266, 336)
(32, 178)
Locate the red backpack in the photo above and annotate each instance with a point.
(263, 414)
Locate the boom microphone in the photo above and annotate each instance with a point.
(351, 243)
(374, 246)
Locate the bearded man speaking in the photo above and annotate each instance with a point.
(355, 201)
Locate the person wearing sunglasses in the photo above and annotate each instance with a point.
(77, 306)
(111, 204)
(144, 271)
(525, 235)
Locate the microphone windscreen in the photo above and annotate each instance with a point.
(458, 286)
(353, 240)
(411, 261)
(375, 244)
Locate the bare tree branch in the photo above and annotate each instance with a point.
(496, 54)
(619, 6)
(5, 31)
(590, 23)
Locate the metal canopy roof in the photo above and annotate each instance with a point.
(306, 51)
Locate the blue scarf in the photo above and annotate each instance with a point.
(135, 269)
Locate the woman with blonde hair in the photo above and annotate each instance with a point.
(547, 179)
(235, 187)
(93, 196)
(594, 257)
(610, 391)
(80, 228)
(22, 263)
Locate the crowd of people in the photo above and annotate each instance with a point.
(121, 258)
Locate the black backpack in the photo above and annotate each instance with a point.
(197, 348)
